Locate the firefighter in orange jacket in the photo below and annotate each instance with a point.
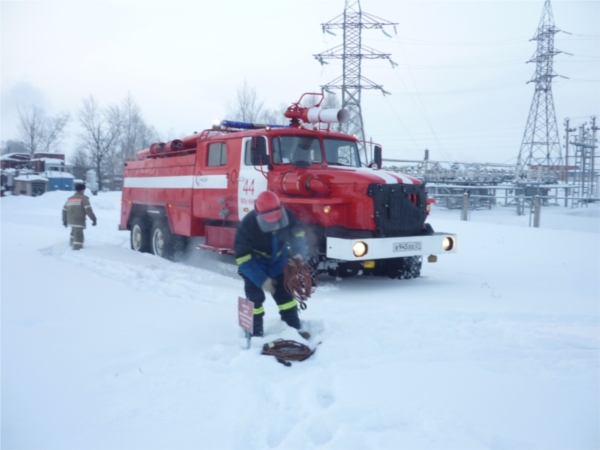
(74, 212)
(264, 241)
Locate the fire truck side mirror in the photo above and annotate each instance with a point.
(259, 151)
(378, 156)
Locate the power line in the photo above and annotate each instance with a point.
(412, 41)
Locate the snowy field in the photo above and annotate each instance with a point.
(495, 347)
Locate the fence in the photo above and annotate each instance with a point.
(535, 203)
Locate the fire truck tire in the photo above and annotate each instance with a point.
(399, 268)
(140, 235)
(410, 267)
(166, 244)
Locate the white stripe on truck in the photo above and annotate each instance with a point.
(178, 182)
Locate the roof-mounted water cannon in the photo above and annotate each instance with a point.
(314, 114)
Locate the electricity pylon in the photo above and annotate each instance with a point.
(351, 52)
(540, 145)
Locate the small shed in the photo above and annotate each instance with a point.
(59, 181)
(32, 185)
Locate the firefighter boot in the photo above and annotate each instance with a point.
(290, 316)
(257, 329)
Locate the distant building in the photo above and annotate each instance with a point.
(30, 184)
(58, 179)
(15, 161)
(26, 175)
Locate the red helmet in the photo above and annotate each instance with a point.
(270, 215)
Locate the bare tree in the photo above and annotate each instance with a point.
(246, 107)
(101, 130)
(38, 132)
(274, 116)
(330, 102)
(136, 134)
(80, 163)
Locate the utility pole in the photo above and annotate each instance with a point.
(352, 52)
(540, 145)
(566, 137)
(567, 131)
(594, 188)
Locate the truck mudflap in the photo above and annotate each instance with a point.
(394, 247)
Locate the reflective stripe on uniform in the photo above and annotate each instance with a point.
(260, 310)
(289, 305)
(242, 259)
(300, 234)
(88, 206)
(266, 255)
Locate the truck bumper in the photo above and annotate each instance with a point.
(394, 247)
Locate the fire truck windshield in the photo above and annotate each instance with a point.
(296, 150)
(303, 151)
(341, 153)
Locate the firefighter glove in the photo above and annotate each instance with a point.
(94, 223)
(269, 285)
(297, 258)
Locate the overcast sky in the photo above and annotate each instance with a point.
(460, 88)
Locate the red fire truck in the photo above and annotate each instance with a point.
(358, 218)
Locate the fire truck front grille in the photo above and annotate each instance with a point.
(398, 209)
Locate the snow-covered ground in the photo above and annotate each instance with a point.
(497, 346)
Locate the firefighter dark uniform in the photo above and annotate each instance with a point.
(74, 212)
(264, 241)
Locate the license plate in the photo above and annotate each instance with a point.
(407, 246)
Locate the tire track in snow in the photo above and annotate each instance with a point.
(148, 273)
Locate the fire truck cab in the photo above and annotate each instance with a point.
(357, 219)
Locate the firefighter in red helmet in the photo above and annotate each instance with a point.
(265, 239)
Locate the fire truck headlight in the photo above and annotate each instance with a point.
(448, 243)
(360, 249)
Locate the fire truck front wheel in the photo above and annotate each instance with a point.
(398, 268)
(404, 268)
(166, 244)
(140, 235)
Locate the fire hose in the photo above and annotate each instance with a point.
(285, 351)
(299, 280)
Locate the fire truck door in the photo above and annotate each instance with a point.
(251, 181)
(211, 181)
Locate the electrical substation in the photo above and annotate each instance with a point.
(546, 173)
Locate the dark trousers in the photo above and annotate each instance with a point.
(288, 306)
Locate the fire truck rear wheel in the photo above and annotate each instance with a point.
(140, 235)
(166, 244)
